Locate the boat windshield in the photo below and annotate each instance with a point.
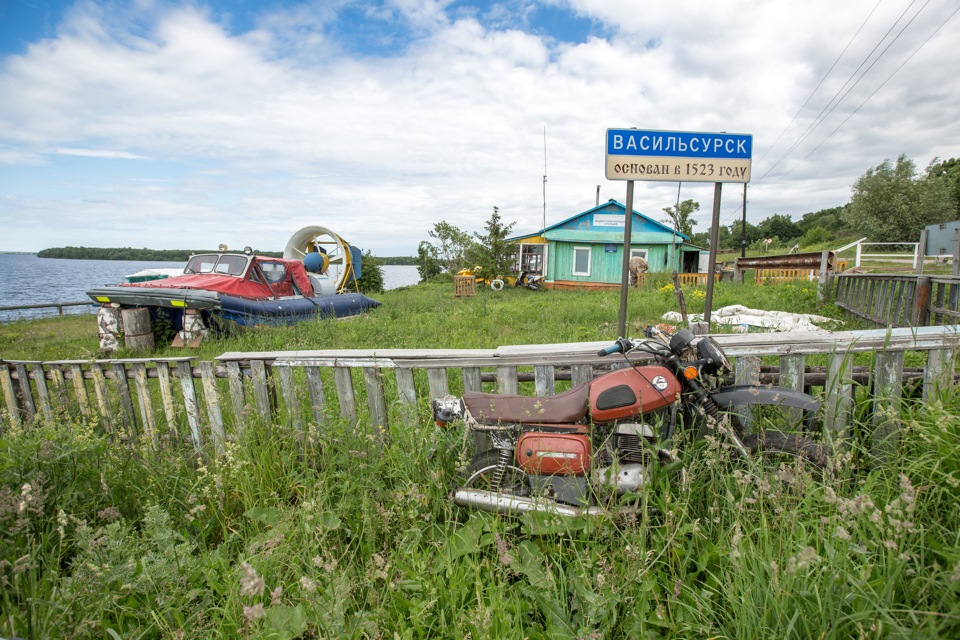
(224, 264)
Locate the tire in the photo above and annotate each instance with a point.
(479, 475)
(496, 285)
(776, 449)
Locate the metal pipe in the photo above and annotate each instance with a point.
(515, 505)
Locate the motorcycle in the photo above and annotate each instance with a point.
(583, 451)
(530, 281)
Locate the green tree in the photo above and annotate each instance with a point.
(681, 216)
(428, 265)
(949, 172)
(371, 274)
(450, 246)
(780, 226)
(891, 204)
(491, 252)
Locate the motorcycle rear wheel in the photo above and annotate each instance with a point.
(480, 474)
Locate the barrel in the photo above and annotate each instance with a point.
(137, 329)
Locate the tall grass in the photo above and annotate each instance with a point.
(340, 534)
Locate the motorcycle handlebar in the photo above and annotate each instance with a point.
(622, 345)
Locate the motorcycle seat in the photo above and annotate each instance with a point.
(494, 408)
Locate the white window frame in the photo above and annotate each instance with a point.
(639, 252)
(589, 251)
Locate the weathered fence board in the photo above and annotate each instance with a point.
(533, 369)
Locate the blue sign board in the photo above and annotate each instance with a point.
(636, 154)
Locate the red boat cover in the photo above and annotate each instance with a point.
(251, 286)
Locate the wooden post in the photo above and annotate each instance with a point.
(318, 401)
(9, 396)
(235, 384)
(146, 405)
(437, 382)
(823, 281)
(921, 305)
(26, 394)
(921, 253)
(343, 379)
(543, 376)
(43, 393)
(838, 392)
(137, 329)
(261, 392)
(887, 391)
(376, 400)
(209, 380)
(166, 398)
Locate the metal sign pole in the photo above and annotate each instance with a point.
(714, 244)
(625, 276)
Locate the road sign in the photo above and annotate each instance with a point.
(678, 156)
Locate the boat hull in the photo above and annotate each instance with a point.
(242, 311)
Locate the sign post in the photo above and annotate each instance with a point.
(676, 156)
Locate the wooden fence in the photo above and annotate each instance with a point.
(899, 300)
(174, 401)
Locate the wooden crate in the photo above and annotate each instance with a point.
(464, 286)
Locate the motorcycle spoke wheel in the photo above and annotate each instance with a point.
(790, 460)
(481, 472)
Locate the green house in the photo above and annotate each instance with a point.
(586, 250)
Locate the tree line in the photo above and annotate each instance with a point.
(891, 202)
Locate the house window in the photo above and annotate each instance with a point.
(638, 253)
(581, 261)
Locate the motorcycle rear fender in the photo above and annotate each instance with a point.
(741, 395)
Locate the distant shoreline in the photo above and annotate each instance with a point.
(158, 255)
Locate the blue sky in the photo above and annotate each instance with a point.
(171, 124)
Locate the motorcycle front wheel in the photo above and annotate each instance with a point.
(787, 455)
(482, 471)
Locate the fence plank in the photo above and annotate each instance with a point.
(211, 396)
(167, 400)
(543, 375)
(26, 395)
(146, 404)
(376, 400)
(118, 372)
(437, 382)
(59, 384)
(80, 389)
(318, 401)
(103, 396)
(235, 385)
(10, 397)
(581, 373)
(838, 394)
(938, 374)
(185, 373)
(43, 392)
(791, 377)
(343, 380)
(289, 392)
(746, 370)
(507, 380)
(261, 391)
(472, 380)
(887, 390)
(406, 386)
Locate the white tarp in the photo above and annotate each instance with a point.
(744, 318)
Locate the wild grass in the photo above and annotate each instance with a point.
(343, 535)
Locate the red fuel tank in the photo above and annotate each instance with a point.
(631, 392)
(566, 454)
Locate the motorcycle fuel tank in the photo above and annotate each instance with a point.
(631, 392)
(554, 453)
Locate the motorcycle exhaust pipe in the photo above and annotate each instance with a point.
(516, 505)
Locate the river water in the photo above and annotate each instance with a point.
(26, 279)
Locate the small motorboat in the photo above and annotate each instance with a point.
(316, 278)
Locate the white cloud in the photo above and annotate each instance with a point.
(254, 135)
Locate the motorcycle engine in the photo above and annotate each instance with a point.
(628, 442)
(632, 458)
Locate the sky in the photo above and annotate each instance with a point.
(183, 125)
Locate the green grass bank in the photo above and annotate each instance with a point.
(342, 536)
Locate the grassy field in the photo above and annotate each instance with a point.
(347, 537)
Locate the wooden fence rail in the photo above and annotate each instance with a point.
(165, 402)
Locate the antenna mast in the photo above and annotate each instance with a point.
(544, 177)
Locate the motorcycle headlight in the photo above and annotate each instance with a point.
(714, 357)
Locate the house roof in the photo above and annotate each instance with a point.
(651, 231)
